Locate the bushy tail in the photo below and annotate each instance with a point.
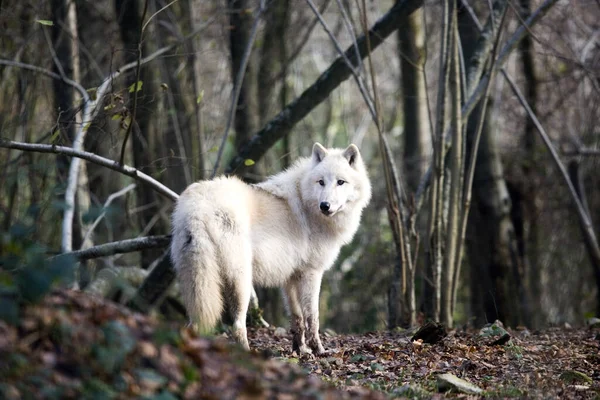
(199, 277)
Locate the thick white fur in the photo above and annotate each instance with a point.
(228, 235)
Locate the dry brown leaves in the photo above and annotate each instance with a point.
(529, 365)
(75, 346)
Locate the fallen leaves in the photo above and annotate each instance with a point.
(76, 346)
(527, 365)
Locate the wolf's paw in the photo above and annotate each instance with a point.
(321, 351)
(304, 349)
(301, 349)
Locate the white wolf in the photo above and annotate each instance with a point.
(285, 231)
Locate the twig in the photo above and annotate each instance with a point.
(238, 85)
(93, 158)
(122, 246)
(109, 200)
(50, 74)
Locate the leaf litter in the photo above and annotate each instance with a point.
(72, 345)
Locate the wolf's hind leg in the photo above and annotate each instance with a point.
(297, 323)
(239, 299)
(310, 286)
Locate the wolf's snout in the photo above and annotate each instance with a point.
(324, 206)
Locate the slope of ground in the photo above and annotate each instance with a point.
(75, 346)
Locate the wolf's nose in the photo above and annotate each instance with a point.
(324, 206)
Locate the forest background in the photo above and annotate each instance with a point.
(166, 93)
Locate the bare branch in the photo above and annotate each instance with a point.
(94, 158)
(122, 246)
(50, 74)
(109, 200)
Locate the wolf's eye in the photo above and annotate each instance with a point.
(341, 182)
(321, 182)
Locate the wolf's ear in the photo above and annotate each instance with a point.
(318, 153)
(352, 155)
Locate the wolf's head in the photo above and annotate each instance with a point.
(337, 181)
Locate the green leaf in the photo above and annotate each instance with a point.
(133, 87)
(45, 22)
(248, 162)
(214, 149)
(54, 136)
(62, 269)
(9, 309)
(33, 284)
(200, 97)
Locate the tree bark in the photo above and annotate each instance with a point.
(527, 233)
(575, 177)
(199, 145)
(246, 116)
(417, 131)
(176, 134)
(273, 62)
(143, 143)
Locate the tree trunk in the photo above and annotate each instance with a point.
(176, 134)
(65, 41)
(496, 269)
(199, 147)
(246, 116)
(496, 275)
(273, 62)
(417, 131)
(575, 177)
(527, 233)
(142, 144)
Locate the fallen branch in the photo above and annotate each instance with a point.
(120, 247)
(155, 286)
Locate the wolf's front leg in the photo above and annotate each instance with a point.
(297, 323)
(310, 286)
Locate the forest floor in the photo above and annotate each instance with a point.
(74, 346)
